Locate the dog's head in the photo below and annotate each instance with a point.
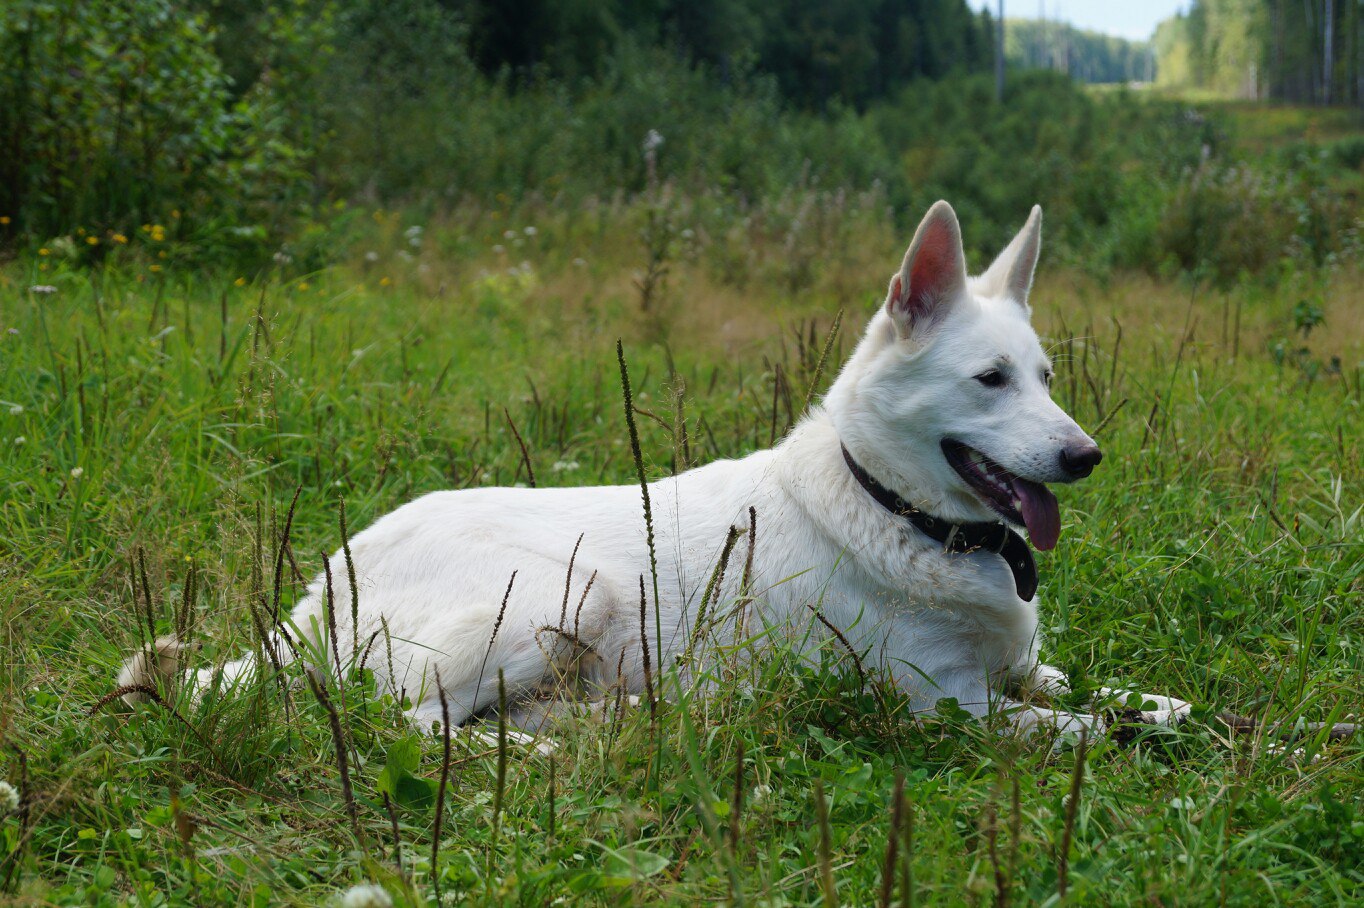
(947, 397)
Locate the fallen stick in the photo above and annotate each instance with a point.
(1239, 724)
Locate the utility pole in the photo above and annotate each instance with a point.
(999, 54)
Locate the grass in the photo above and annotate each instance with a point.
(169, 419)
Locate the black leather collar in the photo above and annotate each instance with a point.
(959, 538)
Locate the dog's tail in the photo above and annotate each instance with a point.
(158, 666)
(151, 666)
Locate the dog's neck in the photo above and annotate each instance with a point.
(956, 538)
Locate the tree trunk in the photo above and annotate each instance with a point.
(1327, 46)
(999, 54)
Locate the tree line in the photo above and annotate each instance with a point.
(852, 52)
(1298, 51)
(1084, 55)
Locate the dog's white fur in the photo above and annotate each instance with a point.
(941, 625)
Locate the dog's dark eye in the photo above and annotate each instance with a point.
(992, 378)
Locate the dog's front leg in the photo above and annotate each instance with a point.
(987, 702)
(1155, 709)
(1028, 719)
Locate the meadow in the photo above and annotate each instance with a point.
(176, 445)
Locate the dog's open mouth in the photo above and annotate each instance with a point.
(1014, 498)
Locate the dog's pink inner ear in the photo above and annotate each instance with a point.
(933, 273)
(933, 266)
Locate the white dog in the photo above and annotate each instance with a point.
(888, 508)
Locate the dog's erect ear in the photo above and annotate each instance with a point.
(1011, 274)
(933, 275)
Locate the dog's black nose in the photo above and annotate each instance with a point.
(1080, 460)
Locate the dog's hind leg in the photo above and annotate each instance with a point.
(536, 716)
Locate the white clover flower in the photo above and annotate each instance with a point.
(580, 262)
(39, 288)
(652, 139)
(499, 249)
(13, 330)
(366, 895)
(16, 410)
(562, 466)
(20, 440)
(9, 798)
(77, 472)
(414, 230)
(761, 793)
(371, 256)
(508, 234)
(529, 231)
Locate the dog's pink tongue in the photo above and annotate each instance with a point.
(1041, 513)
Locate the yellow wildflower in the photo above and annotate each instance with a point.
(239, 282)
(303, 285)
(384, 282)
(120, 239)
(175, 213)
(44, 251)
(4, 219)
(92, 240)
(155, 268)
(161, 254)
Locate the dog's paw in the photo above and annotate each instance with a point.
(541, 745)
(1126, 724)
(1157, 706)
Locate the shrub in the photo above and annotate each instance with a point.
(116, 114)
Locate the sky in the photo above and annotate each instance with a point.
(1135, 19)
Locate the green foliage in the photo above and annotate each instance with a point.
(119, 114)
(110, 113)
(247, 133)
(396, 779)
